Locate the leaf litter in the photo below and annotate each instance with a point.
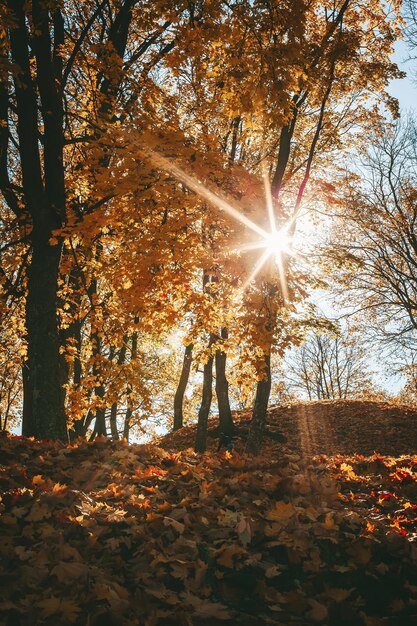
(105, 533)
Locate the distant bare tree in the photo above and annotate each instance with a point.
(410, 14)
(330, 367)
(377, 239)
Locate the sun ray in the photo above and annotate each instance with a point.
(282, 277)
(269, 201)
(259, 265)
(203, 191)
(278, 239)
(248, 247)
(276, 242)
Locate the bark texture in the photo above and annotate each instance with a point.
(182, 386)
(258, 422)
(226, 424)
(201, 438)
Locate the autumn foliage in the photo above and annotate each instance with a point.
(127, 131)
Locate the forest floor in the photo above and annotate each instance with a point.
(319, 530)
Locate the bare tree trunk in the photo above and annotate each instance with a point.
(27, 425)
(129, 410)
(182, 385)
(44, 413)
(99, 390)
(39, 91)
(258, 422)
(126, 427)
(113, 422)
(201, 438)
(113, 411)
(100, 424)
(79, 426)
(227, 426)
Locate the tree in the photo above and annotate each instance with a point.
(321, 91)
(293, 114)
(328, 367)
(63, 68)
(410, 31)
(378, 237)
(107, 112)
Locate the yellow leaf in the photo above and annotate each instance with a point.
(58, 488)
(281, 512)
(348, 470)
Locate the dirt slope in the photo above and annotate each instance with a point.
(325, 427)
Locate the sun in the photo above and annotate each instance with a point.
(278, 242)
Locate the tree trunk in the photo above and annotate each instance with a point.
(44, 414)
(129, 410)
(79, 426)
(258, 422)
(44, 195)
(126, 428)
(27, 425)
(113, 411)
(100, 423)
(201, 438)
(99, 390)
(227, 426)
(113, 422)
(182, 385)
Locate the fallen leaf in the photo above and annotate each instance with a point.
(281, 512)
(318, 612)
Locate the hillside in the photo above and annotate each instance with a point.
(107, 534)
(324, 427)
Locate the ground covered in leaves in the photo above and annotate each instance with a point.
(324, 427)
(107, 534)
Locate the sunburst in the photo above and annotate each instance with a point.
(275, 243)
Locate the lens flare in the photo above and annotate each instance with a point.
(278, 242)
(275, 243)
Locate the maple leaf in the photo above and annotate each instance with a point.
(337, 594)
(208, 610)
(39, 481)
(281, 512)
(244, 531)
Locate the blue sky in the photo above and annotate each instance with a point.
(405, 89)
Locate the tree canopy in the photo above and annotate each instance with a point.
(155, 161)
